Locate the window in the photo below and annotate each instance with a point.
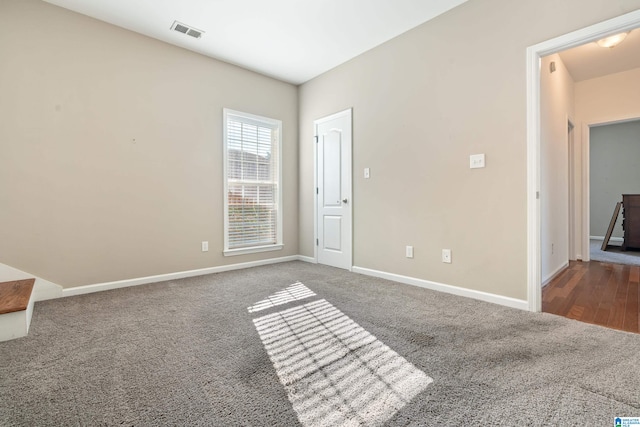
(252, 203)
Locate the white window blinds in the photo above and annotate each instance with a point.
(252, 167)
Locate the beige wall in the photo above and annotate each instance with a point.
(608, 99)
(82, 202)
(423, 103)
(557, 108)
(111, 149)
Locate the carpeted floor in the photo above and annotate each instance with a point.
(198, 352)
(614, 254)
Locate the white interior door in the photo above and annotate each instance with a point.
(334, 213)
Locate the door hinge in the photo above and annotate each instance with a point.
(316, 137)
(317, 242)
(317, 191)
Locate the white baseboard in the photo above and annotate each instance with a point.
(56, 291)
(42, 289)
(612, 239)
(441, 287)
(554, 274)
(99, 287)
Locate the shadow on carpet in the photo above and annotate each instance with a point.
(248, 348)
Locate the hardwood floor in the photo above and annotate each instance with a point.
(596, 292)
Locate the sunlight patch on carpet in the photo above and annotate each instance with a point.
(334, 371)
(295, 292)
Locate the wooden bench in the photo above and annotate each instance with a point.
(16, 307)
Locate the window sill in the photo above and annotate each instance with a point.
(252, 250)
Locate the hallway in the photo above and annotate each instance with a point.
(595, 292)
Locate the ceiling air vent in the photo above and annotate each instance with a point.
(185, 29)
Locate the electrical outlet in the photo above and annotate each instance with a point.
(446, 256)
(205, 246)
(409, 252)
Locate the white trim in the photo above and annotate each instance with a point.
(554, 274)
(315, 193)
(586, 162)
(586, 194)
(571, 153)
(534, 53)
(441, 287)
(333, 116)
(308, 259)
(29, 310)
(534, 269)
(261, 121)
(99, 287)
(42, 289)
(252, 249)
(611, 239)
(624, 119)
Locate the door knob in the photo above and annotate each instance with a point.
(345, 200)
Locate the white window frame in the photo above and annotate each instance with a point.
(264, 122)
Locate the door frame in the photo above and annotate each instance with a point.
(571, 149)
(592, 33)
(586, 155)
(349, 112)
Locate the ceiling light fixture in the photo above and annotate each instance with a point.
(612, 41)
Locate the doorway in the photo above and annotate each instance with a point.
(613, 150)
(604, 291)
(535, 53)
(334, 212)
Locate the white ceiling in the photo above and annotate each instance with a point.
(292, 40)
(590, 60)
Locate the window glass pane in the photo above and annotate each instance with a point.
(252, 182)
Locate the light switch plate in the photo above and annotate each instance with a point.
(476, 161)
(409, 252)
(366, 173)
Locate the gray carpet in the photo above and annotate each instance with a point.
(613, 254)
(187, 352)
